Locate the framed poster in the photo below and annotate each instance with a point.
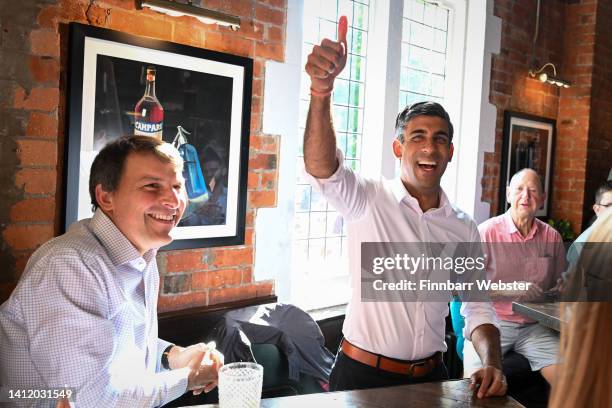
(529, 142)
(123, 85)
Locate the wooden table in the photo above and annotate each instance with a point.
(437, 394)
(547, 314)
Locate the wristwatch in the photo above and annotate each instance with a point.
(164, 357)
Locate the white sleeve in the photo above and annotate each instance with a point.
(477, 313)
(344, 190)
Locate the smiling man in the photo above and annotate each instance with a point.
(84, 314)
(523, 248)
(390, 343)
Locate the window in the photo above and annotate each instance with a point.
(423, 56)
(319, 239)
(423, 60)
(417, 72)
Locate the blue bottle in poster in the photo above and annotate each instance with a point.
(192, 170)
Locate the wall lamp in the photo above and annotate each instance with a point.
(543, 76)
(176, 9)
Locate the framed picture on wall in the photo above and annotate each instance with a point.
(198, 100)
(529, 142)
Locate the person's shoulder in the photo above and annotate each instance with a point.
(584, 237)
(491, 224)
(71, 269)
(77, 246)
(548, 230)
(462, 216)
(461, 223)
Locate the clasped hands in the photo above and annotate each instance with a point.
(203, 361)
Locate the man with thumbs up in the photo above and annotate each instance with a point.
(393, 343)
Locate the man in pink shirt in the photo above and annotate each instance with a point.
(521, 248)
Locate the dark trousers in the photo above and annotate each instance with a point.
(348, 374)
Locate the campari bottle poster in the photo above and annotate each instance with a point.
(190, 109)
(198, 100)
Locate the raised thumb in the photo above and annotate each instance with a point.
(342, 29)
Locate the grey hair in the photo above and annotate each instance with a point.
(523, 171)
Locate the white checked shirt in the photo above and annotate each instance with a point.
(384, 211)
(84, 315)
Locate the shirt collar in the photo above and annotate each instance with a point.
(120, 250)
(511, 228)
(401, 193)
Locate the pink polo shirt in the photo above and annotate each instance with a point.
(539, 257)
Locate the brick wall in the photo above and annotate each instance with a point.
(511, 89)
(33, 63)
(574, 122)
(567, 39)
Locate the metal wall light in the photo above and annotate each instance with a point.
(176, 9)
(541, 73)
(543, 76)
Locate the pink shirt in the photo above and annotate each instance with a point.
(539, 257)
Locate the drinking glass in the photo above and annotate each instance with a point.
(240, 385)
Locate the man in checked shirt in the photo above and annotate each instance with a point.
(84, 314)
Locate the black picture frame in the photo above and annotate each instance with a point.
(207, 93)
(528, 141)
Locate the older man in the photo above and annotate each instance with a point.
(392, 343)
(523, 248)
(84, 314)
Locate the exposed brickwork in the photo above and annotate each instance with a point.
(573, 53)
(573, 121)
(33, 66)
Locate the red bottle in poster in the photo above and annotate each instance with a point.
(148, 111)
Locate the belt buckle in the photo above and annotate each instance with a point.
(414, 365)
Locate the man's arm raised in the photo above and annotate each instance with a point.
(324, 64)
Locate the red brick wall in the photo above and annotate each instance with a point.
(573, 122)
(33, 63)
(566, 38)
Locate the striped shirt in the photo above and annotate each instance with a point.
(84, 316)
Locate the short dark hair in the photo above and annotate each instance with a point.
(107, 167)
(426, 108)
(603, 189)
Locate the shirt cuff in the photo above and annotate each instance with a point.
(174, 383)
(476, 314)
(161, 346)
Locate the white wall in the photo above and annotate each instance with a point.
(274, 226)
(478, 116)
